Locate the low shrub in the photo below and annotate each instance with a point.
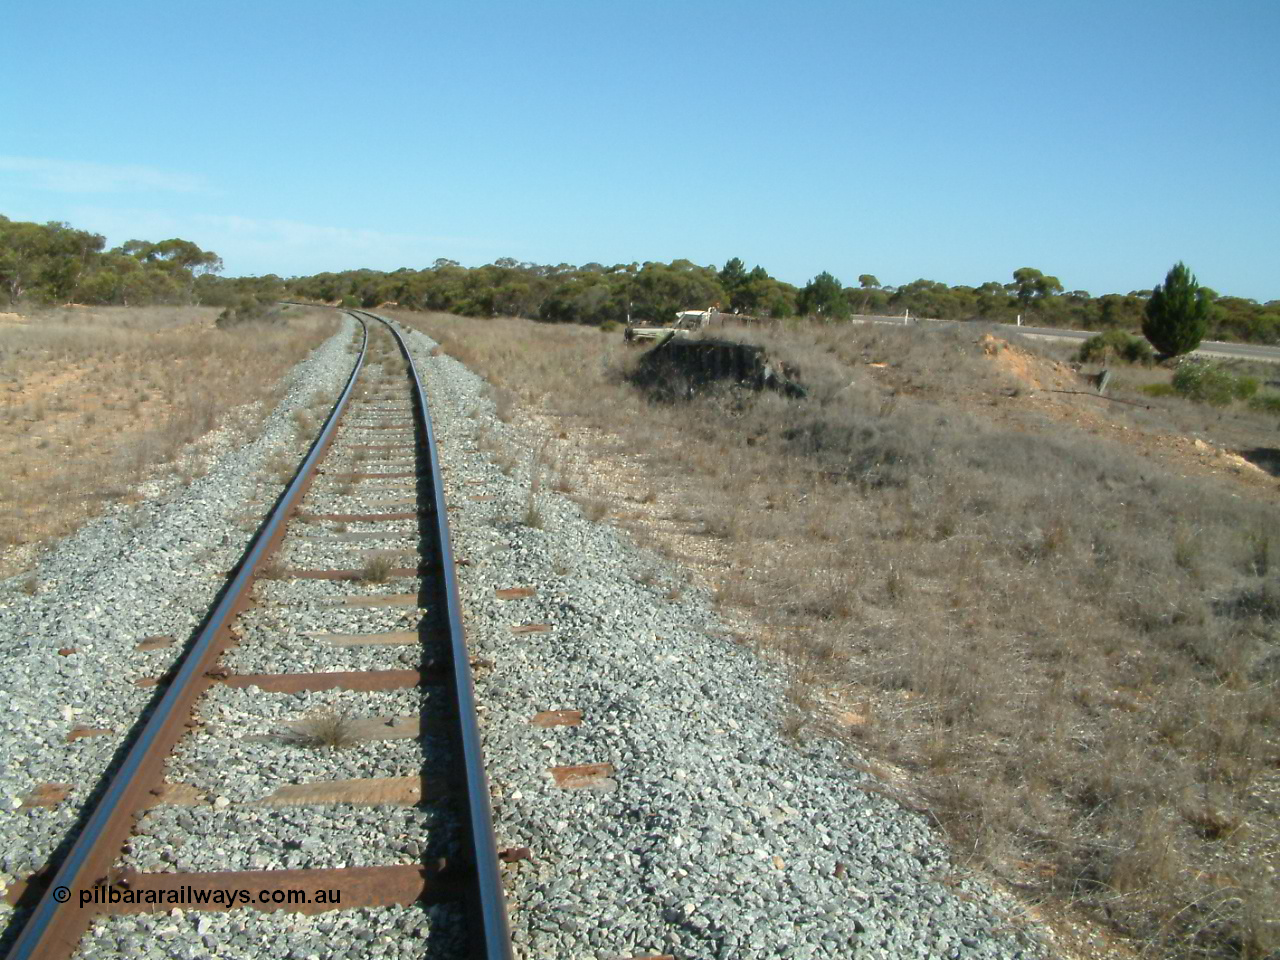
(1207, 382)
(248, 310)
(1159, 390)
(1117, 345)
(1268, 402)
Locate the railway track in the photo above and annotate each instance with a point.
(325, 711)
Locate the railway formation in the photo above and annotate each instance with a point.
(355, 556)
(632, 745)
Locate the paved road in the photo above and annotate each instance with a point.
(1210, 348)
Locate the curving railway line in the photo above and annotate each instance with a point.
(355, 556)
(315, 751)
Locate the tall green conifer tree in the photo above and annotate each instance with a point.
(1177, 315)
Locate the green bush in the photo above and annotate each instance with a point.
(1266, 402)
(1177, 313)
(1206, 382)
(248, 309)
(1116, 344)
(609, 326)
(1159, 390)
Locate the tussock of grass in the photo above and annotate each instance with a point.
(304, 424)
(280, 467)
(533, 516)
(273, 569)
(331, 728)
(378, 568)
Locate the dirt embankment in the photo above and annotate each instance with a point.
(1060, 391)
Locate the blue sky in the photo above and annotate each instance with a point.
(957, 141)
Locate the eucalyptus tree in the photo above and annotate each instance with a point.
(1031, 286)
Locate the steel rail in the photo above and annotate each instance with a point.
(54, 928)
(492, 940)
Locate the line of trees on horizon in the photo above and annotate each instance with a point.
(55, 263)
(597, 294)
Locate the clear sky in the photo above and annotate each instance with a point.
(1097, 140)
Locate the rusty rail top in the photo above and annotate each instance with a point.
(54, 929)
(48, 918)
(492, 940)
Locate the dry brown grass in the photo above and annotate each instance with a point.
(273, 568)
(1012, 600)
(532, 508)
(92, 400)
(332, 728)
(377, 568)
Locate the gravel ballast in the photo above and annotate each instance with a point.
(69, 655)
(230, 808)
(396, 933)
(711, 835)
(715, 836)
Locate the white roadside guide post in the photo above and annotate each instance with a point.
(906, 316)
(1019, 319)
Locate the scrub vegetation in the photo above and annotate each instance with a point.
(56, 263)
(94, 400)
(1049, 619)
